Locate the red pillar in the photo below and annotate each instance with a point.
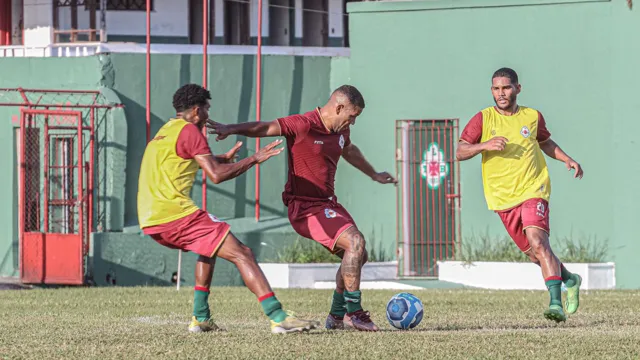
(5, 22)
(205, 74)
(258, 102)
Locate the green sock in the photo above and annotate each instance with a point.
(353, 301)
(272, 307)
(555, 291)
(567, 277)
(201, 303)
(338, 305)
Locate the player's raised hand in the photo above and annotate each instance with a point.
(221, 130)
(497, 143)
(384, 178)
(572, 164)
(232, 155)
(268, 151)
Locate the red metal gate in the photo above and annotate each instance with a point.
(428, 200)
(54, 193)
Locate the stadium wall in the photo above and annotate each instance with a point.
(577, 64)
(291, 84)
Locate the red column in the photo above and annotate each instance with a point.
(5, 22)
(205, 74)
(258, 102)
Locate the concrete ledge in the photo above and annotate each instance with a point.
(371, 285)
(310, 276)
(521, 276)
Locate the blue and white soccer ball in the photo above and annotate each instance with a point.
(404, 311)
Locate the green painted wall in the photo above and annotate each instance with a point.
(577, 65)
(290, 85)
(340, 72)
(131, 259)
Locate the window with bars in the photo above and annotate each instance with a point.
(136, 5)
(112, 5)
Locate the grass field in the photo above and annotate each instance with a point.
(151, 323)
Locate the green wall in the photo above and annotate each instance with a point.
(291, 84)
(576, 64)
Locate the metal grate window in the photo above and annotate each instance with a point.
(135, 5)
(114, 5)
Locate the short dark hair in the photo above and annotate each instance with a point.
(353, 94)
(189, 96)
(508, 73)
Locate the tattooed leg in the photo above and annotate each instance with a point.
(355, 255)
(339, 278)
(353, 243)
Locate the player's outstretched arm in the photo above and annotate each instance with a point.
(249, 129)
(554, 151)
(219, 172)
(354, 156)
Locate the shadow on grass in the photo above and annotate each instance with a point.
(446, 328)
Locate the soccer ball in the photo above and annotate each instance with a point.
(404, 311)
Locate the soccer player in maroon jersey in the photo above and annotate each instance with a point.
(315, 142)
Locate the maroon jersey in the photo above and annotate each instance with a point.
(313, 153)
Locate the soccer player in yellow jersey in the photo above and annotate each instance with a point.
(168, 214)
(512, 140)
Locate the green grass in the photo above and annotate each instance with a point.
(305, 251)
(150, 323)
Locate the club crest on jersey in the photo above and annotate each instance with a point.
(330, 214)
(341, 142)
(525, 132)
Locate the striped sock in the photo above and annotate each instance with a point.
(554, 284)
(201, 303)
(353, 301)
(272, 307)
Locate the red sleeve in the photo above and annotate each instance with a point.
(472, 133)
(191, 142)
(543, 132)
(293, 126)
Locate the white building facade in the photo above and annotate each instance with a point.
(81, 23)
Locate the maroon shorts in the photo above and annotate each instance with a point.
(322, 221)
(531, 213)
(200, 233)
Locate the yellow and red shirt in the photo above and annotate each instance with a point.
(519, 172)
(167, 174)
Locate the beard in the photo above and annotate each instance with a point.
(511, 99)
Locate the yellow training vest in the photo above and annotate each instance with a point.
(519, 172)
(166, 179)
